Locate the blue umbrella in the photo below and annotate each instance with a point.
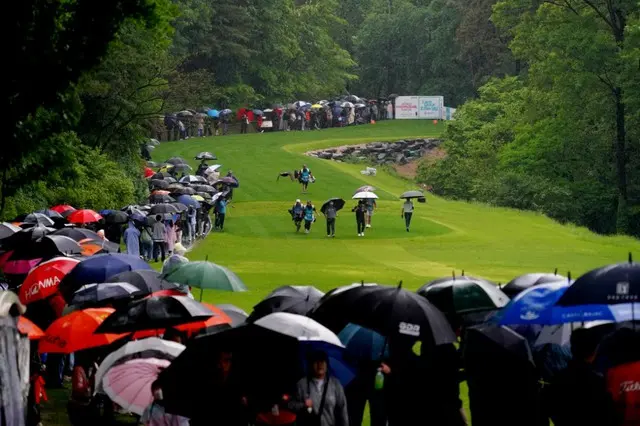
(214, 113)
(258, 112)
(362, 343)
(532, 306)
(338, 366)
(106, 212)
(98, 269)
(188, 201)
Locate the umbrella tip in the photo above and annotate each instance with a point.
(630, 258)
(362, 282)
(400, 284)
(569, 276)
(555, 271)
(453, 274)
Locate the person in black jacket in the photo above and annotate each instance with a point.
(360, 210)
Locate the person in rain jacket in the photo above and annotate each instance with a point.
(221, 208)
(132, 239)
(309, 216)
(330, 213)
(170, 236)
(159, 236)
(191, 224)
(297, 214)
(360, 211)
(320, 395)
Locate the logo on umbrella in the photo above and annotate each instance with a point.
(409, 329)
(46, 283)
(529, 316)
(622, 292)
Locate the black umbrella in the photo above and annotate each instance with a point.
(174, 186)
(293, 299)
(526, 281)
(204, 188)
(162, 175)
(183, 191)
(116, 217)
(176, 160)
(99, 294)
(52, 214)
(159, 198)
(205, 195)
(7, 230)
(238, 316)
(206, 156)
(338, 203)
(180, 207)
(159, 183)
(170, 179)
(146, 281)
(153, 164)
(391, 311)
(154, 313)
(181, 168)
(163, 208)
(52, 245)
(77, 234)
(25, 237)
(37, 219)
(412, 194)
(619, 283)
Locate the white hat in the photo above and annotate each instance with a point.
(298, 200)
(178, 248)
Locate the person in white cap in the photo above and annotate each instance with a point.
(297, 214)
(174, 261)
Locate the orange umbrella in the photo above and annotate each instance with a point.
(32, 331)
(160, 192)
(84, 216)
(75, 332)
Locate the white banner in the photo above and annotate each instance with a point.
(420, 107)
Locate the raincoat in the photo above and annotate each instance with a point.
(170, 236)
(132, 239)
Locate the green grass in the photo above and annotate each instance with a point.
(261, 246)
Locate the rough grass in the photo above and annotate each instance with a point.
(261, 246)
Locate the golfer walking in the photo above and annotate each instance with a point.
(360, 211)
(330, 213)
(407, 212)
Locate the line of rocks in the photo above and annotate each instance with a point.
(399, 152)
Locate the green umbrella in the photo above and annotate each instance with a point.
(205, 275)
(464, 295)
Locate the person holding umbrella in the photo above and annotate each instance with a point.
(330, 213)
(407, 212)
(360, 211)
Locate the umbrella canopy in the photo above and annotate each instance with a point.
(96, 294)
(217, 322)
(159, 183)
(58, 244)
(206, 156)
(84, 216)
(146, 281)
(213, 113)
(212, 169)
(129, 384)
(93, 246)
(154, 313)
(338, 203)
(363, 344)
(75, 332)
(163, 209)
(61, 208)
(160, 198)
(43, 280)
(523, 282)
(7, 229)
(390, 311)
(98, 269)
(193, 179)
(365, 188)
(116, 217)
(198, 198)
(412, 194)
(258, 112)
(608, 285)
(25, 237)
(29, 329)
(464, 296)
(204, 188)
(184, 190)
(346, 105)
(365, 196)
(206, 275)
(176, 160)
(180, 207)
(488, 338)
(290, 298)
(77, 234)
(148, 171)
(37, 219)
(532, 306)
(188, 201)
(238, 316)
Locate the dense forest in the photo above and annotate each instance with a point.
(548, 91)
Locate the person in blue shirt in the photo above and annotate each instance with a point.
(305, 177)
(221, 208)
(309, 216)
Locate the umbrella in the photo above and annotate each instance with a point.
(613, 284)
(154, 313)
(183, 191)
(116, 217)
(317, 106)
(160, 192)
(338, 204)
(93, 246)
(159, 199)
(364, 196)
(61, 208)
(148, 171)
(227, 180)
(98, 269)
(163, 208)
(346, 105)
(292, 299)
(488, 337)
(19, 266)
(129, 384)
(203, 196)
(464, 296)
(77, 234)
(29, 329)
(206, 275)
(188, 201)
(525, 281)
(43, 280)
(75, 332)
(258, 112)
(204, 188)
(193, 179)
(176, 160)
(151, 347)
(217, 322)
(412, 194)
(147, 281)
(94, 294)
(162, 175)
(84, 216)
(390, 311)
(206, 156)
(37, 219)
(363, 344)
(153, 164)
(58, 244)
(237, 315)
(533, 305)
(212, 169)
(213, 113)
(365, 188)
(159, 183)
(180, 207)
(7, 229)
(52, 214)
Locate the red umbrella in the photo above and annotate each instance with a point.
(75, 332)
(219, 318)
(148, 172)
(61, 208)
(4, 257)
(32, 331)
(43, 280)
(19, 266)
(84, 216)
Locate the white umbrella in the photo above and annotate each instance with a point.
(360, 105)
(151, 347)
(347, 105)
(299, 327)
(212, 169)
(561, 334)
(364, 195)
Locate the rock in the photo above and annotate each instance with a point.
(337, 156)
(325, 155)
(348, 150)
(382, 156)
(400, 159)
